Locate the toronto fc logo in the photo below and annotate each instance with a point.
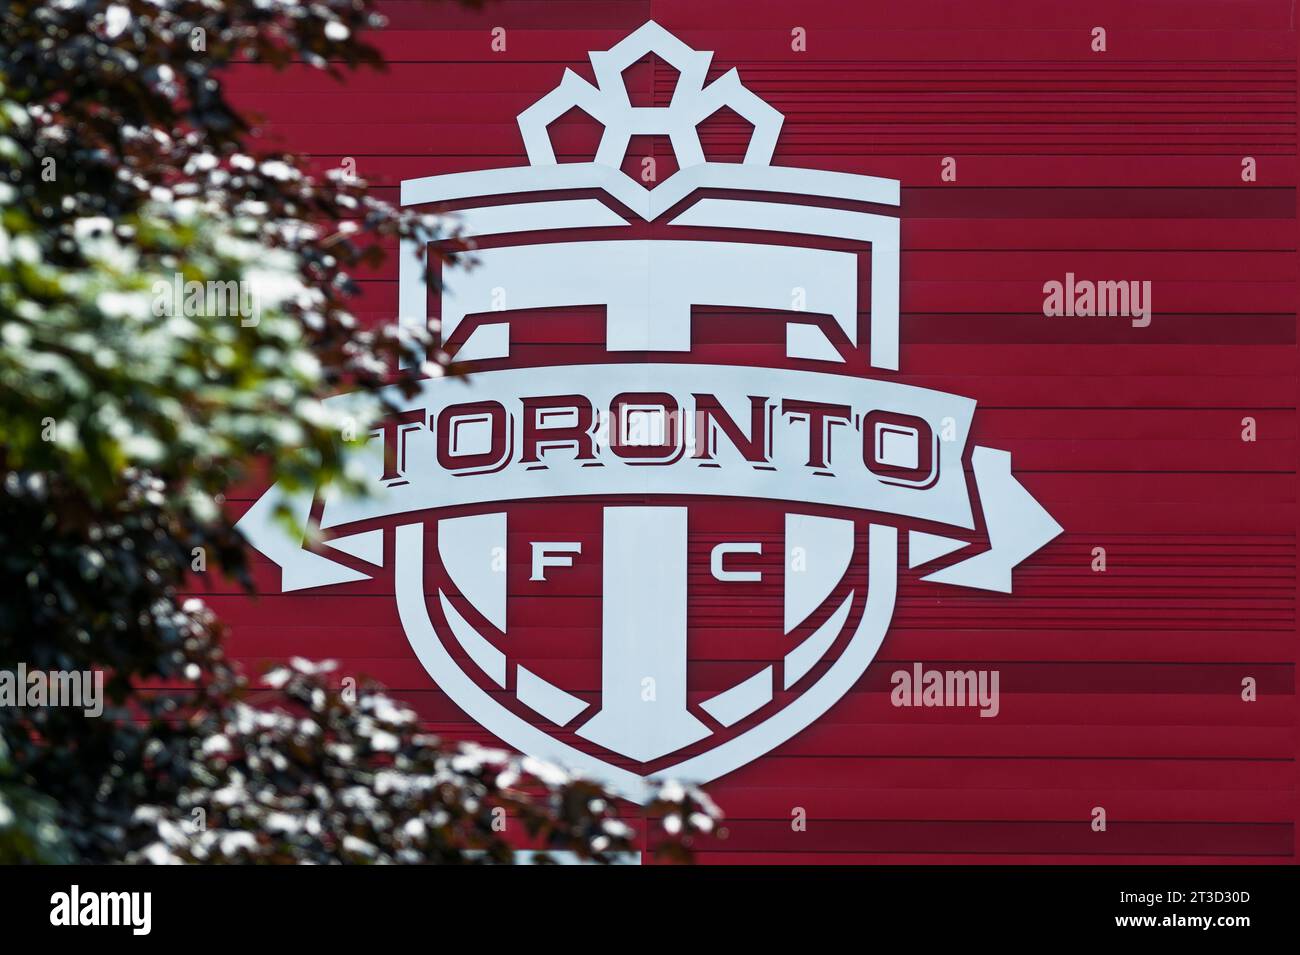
(656, 532)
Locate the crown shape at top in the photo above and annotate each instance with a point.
(608, 103)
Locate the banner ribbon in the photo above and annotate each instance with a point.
(677, 429)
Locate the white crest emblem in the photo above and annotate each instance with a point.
(730, 431)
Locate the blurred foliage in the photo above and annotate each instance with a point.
(344, 774)
(29, 830)
(125, 414)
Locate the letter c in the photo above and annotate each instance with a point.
(734, 576)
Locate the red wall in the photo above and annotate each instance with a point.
(1119, 689)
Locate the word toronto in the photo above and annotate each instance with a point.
(1107, 299)
(660, 428)
(73, 908)
(81, 689)
(921, 687)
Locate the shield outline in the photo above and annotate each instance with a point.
(692, 102)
